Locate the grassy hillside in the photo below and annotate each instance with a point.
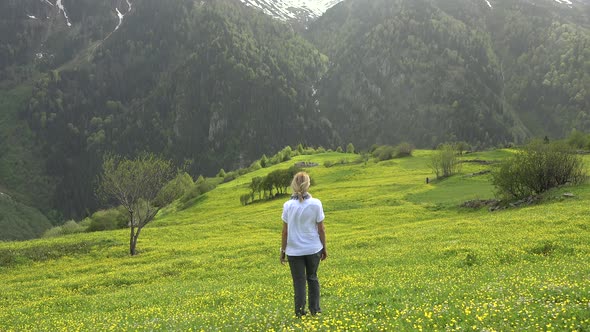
(403, 256)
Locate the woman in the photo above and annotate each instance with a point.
(304, 242)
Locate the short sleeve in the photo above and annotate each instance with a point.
(285, 213)
(320, 216)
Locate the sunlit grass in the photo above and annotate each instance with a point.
(403, 256)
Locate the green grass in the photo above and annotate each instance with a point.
(402, 256)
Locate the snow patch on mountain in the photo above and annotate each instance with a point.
(121, 17)
(292, 9)
(63, 9)
(489, 4)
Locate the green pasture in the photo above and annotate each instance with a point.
(403, 256)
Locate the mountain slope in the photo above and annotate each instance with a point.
(405, 70)
(215, 84)
(430, 71)
(218, 88)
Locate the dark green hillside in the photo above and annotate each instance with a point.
(431, 71)
(23, 182)
(406, 70)
(213, 83)
(34, 34)
(21, 166)
(546, 64)
(20, 222)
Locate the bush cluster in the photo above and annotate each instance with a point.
(386, 152)
(70, 227)
(275, 183)
(101, 220)
(536, 168)
(579, 140)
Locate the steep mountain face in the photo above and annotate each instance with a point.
(406, 70)
(44, 34)
(218, 86)
(545, 52)
(431, 71)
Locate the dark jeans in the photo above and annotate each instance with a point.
(304, 268)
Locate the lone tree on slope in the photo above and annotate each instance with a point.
(136, 185)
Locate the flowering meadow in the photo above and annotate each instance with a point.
(403, 256)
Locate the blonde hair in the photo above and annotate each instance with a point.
(300, 185)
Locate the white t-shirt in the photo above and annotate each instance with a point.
(302, 219)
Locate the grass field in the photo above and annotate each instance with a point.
(402, 256)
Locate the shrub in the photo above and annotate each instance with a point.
(578, 139)
(245, 198)
(384, 152)
(230, 176)
(221, 173)
(444, 161)
(255, 166)
(264, 161)
(178, 186)
(71, 227)
(404, 149)
(328, 163)
(286, 153)
(309, 150)
(54, 232)
(300, 148)
(108, 219)
(339, 149)
(462, 147)
(85, 223)
(362, 158)
(350, 148)
(536, 168)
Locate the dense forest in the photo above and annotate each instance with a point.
(215, 84)
(433, 71)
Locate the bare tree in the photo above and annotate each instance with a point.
(136, 185)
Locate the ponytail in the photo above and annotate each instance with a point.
(300, 185)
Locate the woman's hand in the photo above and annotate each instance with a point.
(324, 254)
(283, 259)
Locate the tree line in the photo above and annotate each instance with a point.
(274, 184)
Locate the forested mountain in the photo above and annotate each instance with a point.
(218, 83)
(432, 71)
(213, 83)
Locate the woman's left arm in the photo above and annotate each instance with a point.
(322, 233)
(284, 242)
